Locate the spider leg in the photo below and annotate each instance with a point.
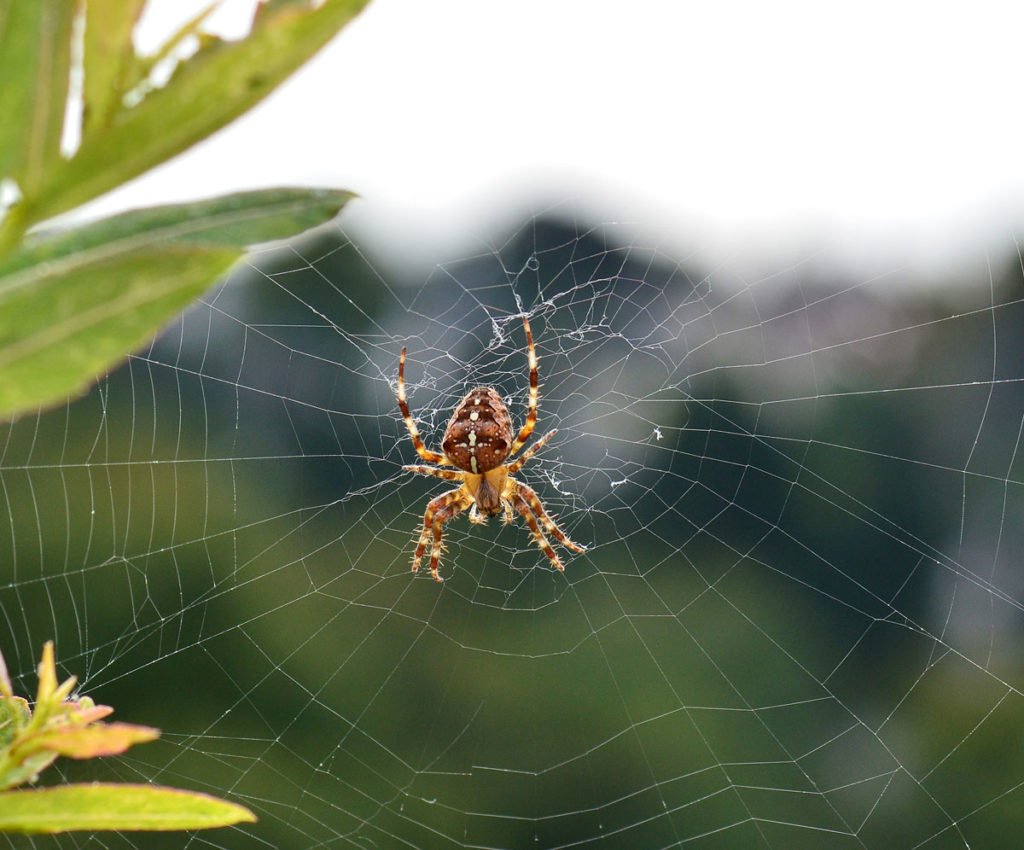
(439, 511)
(525, 492)
(446, 474)
(538, 535)
(530, 452)
(433, 506)
(531, 416)
(403, 405)
(440, 519)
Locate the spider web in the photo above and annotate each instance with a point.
(796, 625)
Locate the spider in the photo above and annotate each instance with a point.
(478, 441)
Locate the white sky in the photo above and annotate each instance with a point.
(788, 126)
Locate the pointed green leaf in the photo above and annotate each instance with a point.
(65, 330)
(88, 742)
(109, 58)
(238, 220)
(47, 674)
(222, 81)
(35, 62)
(121, 807)
(75, 303)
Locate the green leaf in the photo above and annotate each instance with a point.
(121, 807)
(219, 83)
(47, 674)
(73, 304)
(238, 220)
(88, 742)
(35, 62)
(109, 58)
(58, 335)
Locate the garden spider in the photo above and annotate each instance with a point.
(477, 441)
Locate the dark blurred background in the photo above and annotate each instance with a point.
(797, 625)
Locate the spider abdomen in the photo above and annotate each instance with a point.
(479, 435)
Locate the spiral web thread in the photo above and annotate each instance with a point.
(797, 623)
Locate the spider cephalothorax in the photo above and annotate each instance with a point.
(477, 441)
